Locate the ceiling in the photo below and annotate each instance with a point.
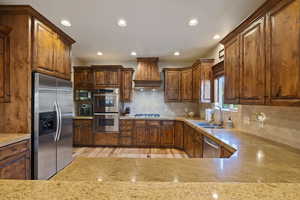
(155, 27)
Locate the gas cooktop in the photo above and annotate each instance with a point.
(147, 115)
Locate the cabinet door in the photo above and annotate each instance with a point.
(59, 57)
(100, 78)
(178, 138)
(126, 85)
(83, 78)
(83, 133)
(140, 136)
(196, 83)
(206, 79)
(232, 70)
(43, 47)
(283, 54)
(4, 64)
(167, 134)
(112, 78)
(187, 85)
(252, 71)
(153, 136)
(16, 167)
(172, 85)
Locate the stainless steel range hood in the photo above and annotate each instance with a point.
(147, 74)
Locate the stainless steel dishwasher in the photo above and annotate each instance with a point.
(211, 149)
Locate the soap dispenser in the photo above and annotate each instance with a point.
(229, 123)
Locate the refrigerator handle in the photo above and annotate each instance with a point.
(58, 121)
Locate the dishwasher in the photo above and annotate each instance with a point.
(211, 149)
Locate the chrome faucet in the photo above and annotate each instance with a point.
(221, 115)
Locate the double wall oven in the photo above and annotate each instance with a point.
(106, 103)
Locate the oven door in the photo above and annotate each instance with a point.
(104, 122)
(106, 103)
(84, 109)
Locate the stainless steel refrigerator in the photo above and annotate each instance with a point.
(52, 125)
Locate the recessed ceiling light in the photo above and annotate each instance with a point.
(216, 37)
(122, 23)
(66, 23)
(133, 53)
(193, 22)
(177, 53)
(99, 53)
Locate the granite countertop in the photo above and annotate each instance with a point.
(256, 161)
(10, 138)
(62, 190)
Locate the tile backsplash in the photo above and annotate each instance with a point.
(149, 101)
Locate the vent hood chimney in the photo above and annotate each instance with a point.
(147, 73)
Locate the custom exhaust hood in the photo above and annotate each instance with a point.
(147, 74)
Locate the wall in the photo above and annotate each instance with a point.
(281, 125)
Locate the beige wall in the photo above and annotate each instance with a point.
(282, 123)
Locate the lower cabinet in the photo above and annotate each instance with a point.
(15, 161)
(106, 139)
(83, 132)
(167, 134)
(178, 135)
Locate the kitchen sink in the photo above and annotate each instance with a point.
(208, 125)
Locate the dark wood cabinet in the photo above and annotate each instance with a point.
(51, 52)
(283, 53)
(106, 139)
(126, 85)
(15, 161)
(147, 133)
(187, 85)
(83, 78)
(140, 135)
(83, 133)
(232, 70)
(252, 64)
(206, 80)
(167, 132)
(172, 85)
(196, 81)
(153, 136)
(178, 135)
(4, 64)
(107, 76)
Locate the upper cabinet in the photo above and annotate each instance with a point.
(283, 53)
(126, 84)
(51, 52)
(187, 85)
(196, 81)
(4, 64)
(232, 69)
(262, 57)
(206, 80)
(172, 85)
(252, 63)
(107, 76)
(83, 78)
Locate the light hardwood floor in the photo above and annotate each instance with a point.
(102, 152)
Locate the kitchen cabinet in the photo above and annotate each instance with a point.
(196, 81)
(206, 80)
(252, 63)
(172, 85)
(225, 153)
(232, 70)
(83, 78)
(283, 54)
(167, 132)
(106, 139)
(106, 76)
(126, 132)
(147, 133)
(83, 133)
(188, 141)
(15, 161)
(178, 135)
(51, 52)
(187, 85)
(4, 64)
(141, 136)
(126, 85)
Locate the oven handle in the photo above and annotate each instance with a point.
(103, 114)
(110, 95)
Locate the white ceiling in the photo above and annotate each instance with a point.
(155, 27)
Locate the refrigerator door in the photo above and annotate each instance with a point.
(45, 126)
(65, 136)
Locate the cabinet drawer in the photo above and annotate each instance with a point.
(153, 123)
(126, 122)
(168, 123)
(140, 122)
(13, 149)
(126, 133)
(125, 141)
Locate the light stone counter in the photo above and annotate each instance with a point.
(10, 138)
(61, 190)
